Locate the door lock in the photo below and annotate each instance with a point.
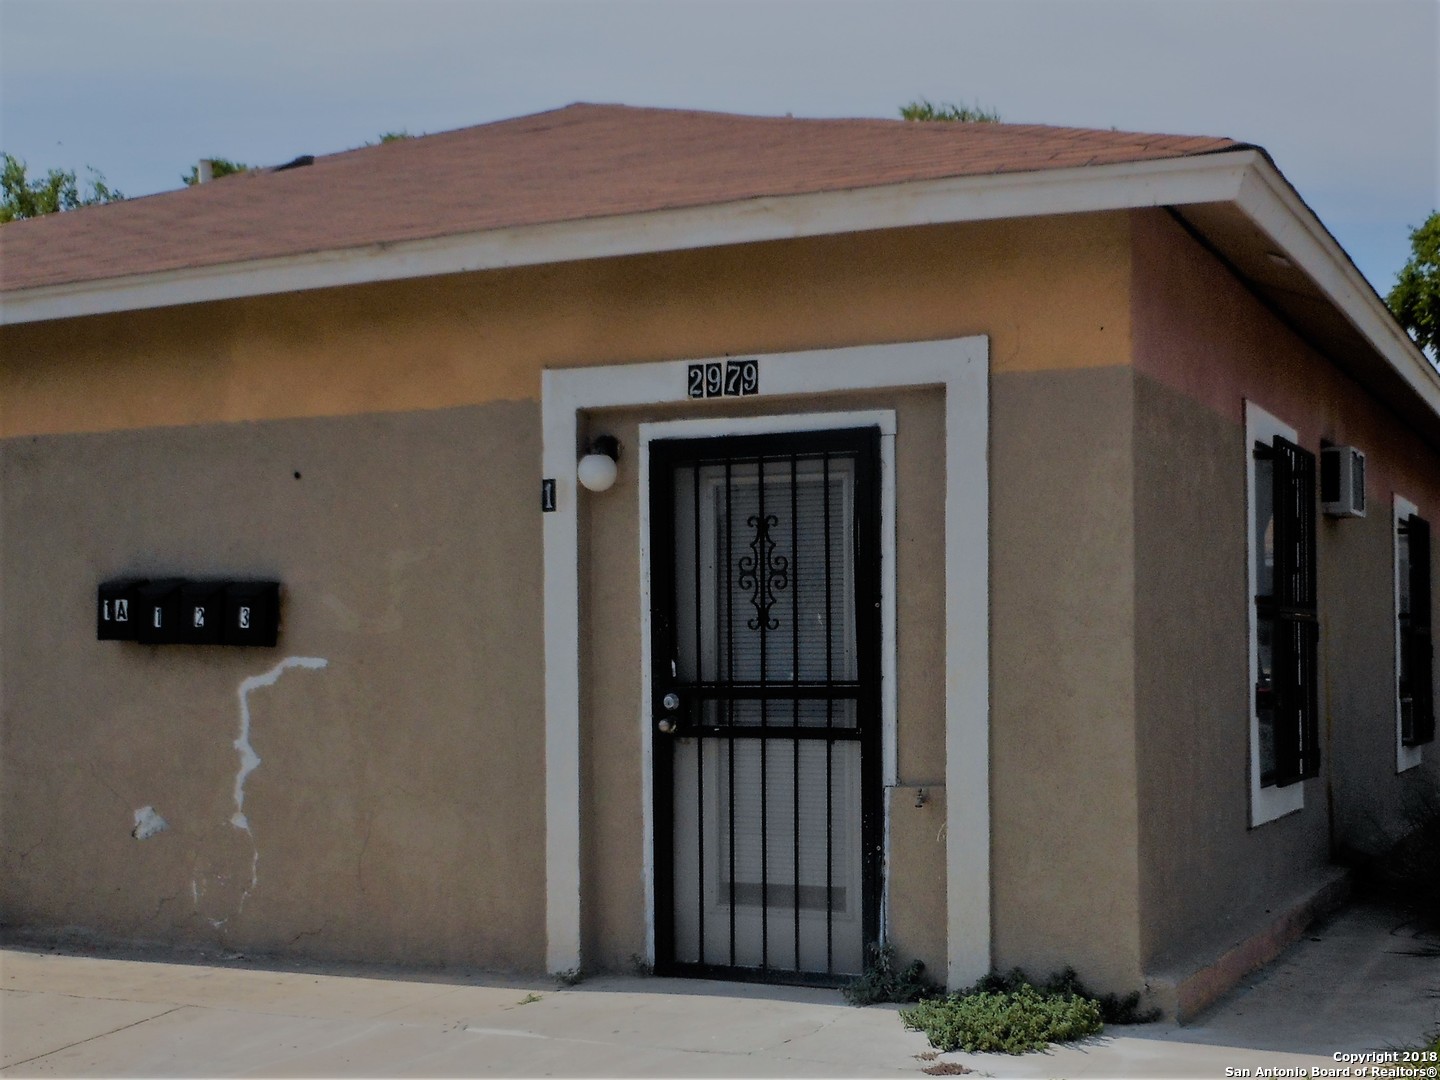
(671, 701)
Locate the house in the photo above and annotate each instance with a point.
(1008, 542)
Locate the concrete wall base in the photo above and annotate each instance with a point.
(1183, 993)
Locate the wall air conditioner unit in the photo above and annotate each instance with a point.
(1342, 481)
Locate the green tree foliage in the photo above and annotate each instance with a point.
(924, 109)
(59, 189)
(218, 167)
(225, 167)
(1415, 299)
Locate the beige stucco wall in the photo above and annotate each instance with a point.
(473, 338)
(1062, 653)
(398, 809)
(1203, 345)
(1207, 879)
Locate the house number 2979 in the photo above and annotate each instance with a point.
(728, 378)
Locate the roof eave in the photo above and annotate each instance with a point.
(1274, 207)
(1206, 178)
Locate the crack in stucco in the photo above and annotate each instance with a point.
(159, 907)
(249, 762)
(306, 933)
(364, 847)
(23, 855)
(245, 895)
(100, 779)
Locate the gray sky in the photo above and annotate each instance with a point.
(1344, 94)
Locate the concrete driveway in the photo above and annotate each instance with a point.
(1358, 984)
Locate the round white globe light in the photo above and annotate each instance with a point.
(596, 472)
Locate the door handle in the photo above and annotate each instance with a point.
(666, 727)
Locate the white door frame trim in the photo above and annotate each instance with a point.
(961, 367)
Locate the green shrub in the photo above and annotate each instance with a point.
(1114, 1009)
(1004, 1021)
(1005, 1013)
(883, 981)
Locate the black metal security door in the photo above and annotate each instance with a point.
(766, 703)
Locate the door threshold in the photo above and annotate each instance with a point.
(773, 976)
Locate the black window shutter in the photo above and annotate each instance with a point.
(1297, 630)
(1417, 639)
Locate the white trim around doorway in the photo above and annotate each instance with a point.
(959, 366)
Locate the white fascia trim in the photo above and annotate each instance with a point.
(1268, 200)
(1266, 803)
(961, 367)
(720, 426)
(1406, 757)
(1173, 182)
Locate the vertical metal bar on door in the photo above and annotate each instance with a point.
(730, 686)
(829, 738)
(762, 613)
(795, 682)
(697, 710)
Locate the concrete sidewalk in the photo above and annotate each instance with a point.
(1357, 984)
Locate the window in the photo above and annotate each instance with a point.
(1284, 631)
(1414, 647)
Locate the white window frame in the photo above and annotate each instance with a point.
(1266, 803)
(1406, 757)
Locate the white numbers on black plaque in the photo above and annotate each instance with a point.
(728, 378)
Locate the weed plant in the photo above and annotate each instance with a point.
(1114, 1009)
(1409, 872)
(1007, 1014)
(1004, 1021)
(885, 981)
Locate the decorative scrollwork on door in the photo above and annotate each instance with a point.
(763, 572)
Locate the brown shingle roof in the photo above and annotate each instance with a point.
(582, 161)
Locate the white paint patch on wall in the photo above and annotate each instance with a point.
(147, 823)
(249, 760)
